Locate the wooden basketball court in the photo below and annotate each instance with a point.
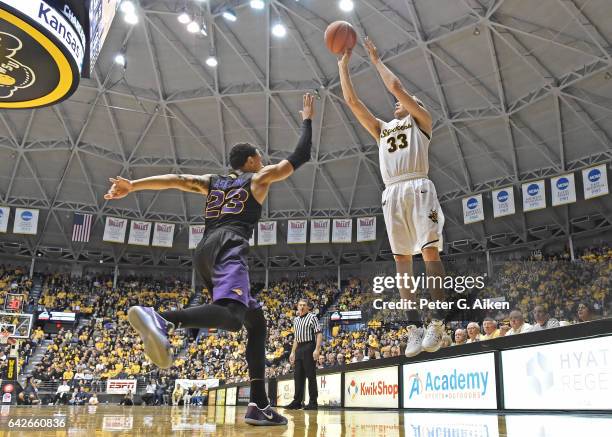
(115, 420)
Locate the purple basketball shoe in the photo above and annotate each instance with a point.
(153, 330)
(263, 417)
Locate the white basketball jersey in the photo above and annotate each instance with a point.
(402, 151)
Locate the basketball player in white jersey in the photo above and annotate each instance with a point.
(413, 216)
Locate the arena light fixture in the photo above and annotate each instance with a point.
(127, 7)
(279, 30)
(130, 19)
(193, 27)
(346, 5)
(204, 30)
(229, 15)
(120, 60)
(184, 17)
(211, 61)
(257, 4)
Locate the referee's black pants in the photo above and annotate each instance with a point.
(305, 367)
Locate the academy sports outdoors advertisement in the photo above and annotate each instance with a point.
(463, 382)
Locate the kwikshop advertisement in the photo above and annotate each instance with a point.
(563, 376)
(329, 390)
(230, 395)
(120, 386)
(372, 388)
(370, 423)
(449, 424)
(463, 382)
(285, 390)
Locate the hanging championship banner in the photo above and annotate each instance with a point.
(342, 231)
(503, 202)
(163, 235)
(563, 189)
(196, 232)
(5, 212)
(26, 221)
(296, 231)
(366, 229)
(140, 233)
(266, 235)
(534, 196)
(114, 230)
(252, 239)
(473, 210)
(595, 181)
(319, 230)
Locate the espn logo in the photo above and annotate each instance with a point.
(120, 386)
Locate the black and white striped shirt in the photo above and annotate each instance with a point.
(306, 328)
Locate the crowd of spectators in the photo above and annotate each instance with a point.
(543, 293)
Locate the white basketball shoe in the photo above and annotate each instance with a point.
(432, 341)
(415, 340)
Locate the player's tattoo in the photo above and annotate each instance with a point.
(195, 183)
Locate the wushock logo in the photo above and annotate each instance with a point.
(448, 385)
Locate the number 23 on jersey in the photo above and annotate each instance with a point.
(220, 203)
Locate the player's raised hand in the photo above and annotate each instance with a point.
(121, 187)
(372, 51)
(308, 103)
(345, 59)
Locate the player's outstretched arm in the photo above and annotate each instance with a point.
(121, 187)
(395, 87)
(363, 114)
(301, 155)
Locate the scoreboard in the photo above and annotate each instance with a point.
(46, 46)
(101, 15)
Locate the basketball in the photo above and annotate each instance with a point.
(340, 36)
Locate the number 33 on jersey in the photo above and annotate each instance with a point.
(403, 149)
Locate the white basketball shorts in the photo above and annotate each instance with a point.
(413, 216)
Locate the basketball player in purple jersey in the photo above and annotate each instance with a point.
(233, 207)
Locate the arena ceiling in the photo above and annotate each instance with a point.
(518, 90)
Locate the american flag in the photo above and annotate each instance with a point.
(81, 227)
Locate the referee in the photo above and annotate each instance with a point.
(304, 356)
